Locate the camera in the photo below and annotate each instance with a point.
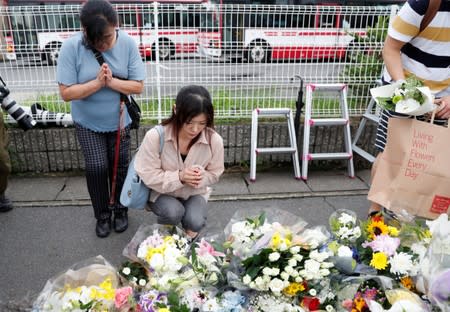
(24, 120)
(47, 118)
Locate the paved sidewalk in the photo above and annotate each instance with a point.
(72, 191)
(52, 226)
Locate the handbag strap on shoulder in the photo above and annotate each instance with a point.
(160, 130)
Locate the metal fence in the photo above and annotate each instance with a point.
(246, 55)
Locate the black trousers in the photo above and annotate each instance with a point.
(98, 150)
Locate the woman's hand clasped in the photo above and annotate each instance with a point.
(191, 176)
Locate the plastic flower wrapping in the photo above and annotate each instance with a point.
(408, 97)
(268, 260)
(89, 285)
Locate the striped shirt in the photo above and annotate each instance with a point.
(426, 54)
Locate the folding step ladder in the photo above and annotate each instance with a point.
(372, 113)
(367, 116)
(341, 90)
(255, 150)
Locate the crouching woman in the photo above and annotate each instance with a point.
(191, 159)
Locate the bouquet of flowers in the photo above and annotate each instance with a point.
(134, 274)
(249, 231)
(162, 250)
(87, 285)
(345, 234)
(390, 250)
(435, 264)
(407, 97)
(268, 302)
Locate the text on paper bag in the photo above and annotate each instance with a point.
(419, 157)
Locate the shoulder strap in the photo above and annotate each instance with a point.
(98, 56)
(433, 8)
(160, 130)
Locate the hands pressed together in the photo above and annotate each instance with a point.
(104, 75)
(444, 107)
(191, 176)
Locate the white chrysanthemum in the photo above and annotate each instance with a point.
(312, 268)
(276, 285)
(142, 282)
(401, 264)
(318, 256)
(126, 270)
(247, 279)
(344, 251)
(274, 256)
(292, 262)
(295, 250)
(284, 276)
(267, 271)
(157, 262)
(346, 218)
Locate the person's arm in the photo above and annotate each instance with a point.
(83, 90)
(216, 166)
(125, 86)
(392, 58)
(148, 165)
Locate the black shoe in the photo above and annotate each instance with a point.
(103, 227)
(120, 221)
(5, 204)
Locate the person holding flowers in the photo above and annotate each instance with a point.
(192, 159)
(417, 45)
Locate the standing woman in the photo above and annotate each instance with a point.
(94, 92)
(192, 158)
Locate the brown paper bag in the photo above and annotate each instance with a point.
(413, 174)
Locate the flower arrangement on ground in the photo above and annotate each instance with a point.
(393, 251)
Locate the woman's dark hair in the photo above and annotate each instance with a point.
(96, 16)
(191, 101)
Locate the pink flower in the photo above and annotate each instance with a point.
(206, 248)
(122, 295)
(383, 243)
(347, 304)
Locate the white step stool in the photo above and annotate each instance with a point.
(341, 90)
(372, 114)
(255, 150)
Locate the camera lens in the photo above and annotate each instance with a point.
(24, 120)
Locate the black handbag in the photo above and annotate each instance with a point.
(134, 111)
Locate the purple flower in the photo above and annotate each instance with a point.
(148, 300)
(440, 286)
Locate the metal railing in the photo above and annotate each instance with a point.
(246, 55)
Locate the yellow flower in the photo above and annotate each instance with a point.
(106, 291)
(163, 310)
(393, 231)
(379, 260)
(287, 242)
(427, 233)
(276, 240)
(293, 289)
(375, 228)
(151, 252)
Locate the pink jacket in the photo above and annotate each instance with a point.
(160, 172)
